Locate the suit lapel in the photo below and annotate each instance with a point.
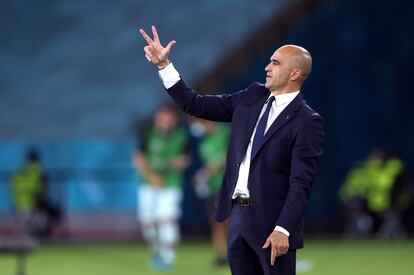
(284, 117)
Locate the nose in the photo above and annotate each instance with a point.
(267, 68)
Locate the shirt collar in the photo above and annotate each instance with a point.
(284, 98)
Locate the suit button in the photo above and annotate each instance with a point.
(238, 164)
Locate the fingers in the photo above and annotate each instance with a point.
(273, 252)
(154, 51)
(281, 249)
(273, 255)
(155, 34)
(148, 53)
(284, 250)
(266, 244)
(146, 36)
(279, 245)
(170, 45)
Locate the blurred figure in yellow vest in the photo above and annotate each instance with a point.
(390, 195)
(35, 214)
(375, 194)
(354, 195)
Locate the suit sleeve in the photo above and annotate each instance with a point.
(212, 107)
(307, 149)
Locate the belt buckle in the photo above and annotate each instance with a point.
(245, 201)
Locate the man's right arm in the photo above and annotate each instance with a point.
(216, 108)
(211, 107)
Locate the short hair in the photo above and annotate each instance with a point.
(301, 59)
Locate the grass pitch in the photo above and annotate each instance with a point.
(320, 257)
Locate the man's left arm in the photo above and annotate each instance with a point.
(307, 149)
(306, 152)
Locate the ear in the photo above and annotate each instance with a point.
(295, 74)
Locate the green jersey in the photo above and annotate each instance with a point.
(213, 148)
(161, 149)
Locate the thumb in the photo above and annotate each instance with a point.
(266, 245)
(170, 45)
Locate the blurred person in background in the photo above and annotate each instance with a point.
(354, 195)
(274, 147)
(161, 159)
(376, 194)
(390, 197)
(36, 214)
(207, 180)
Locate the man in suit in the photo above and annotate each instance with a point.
(275, 143)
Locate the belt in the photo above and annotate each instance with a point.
(243, 201)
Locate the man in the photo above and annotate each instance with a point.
(275, 144)
(161, 160)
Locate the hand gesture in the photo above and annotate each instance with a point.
(155, 52)
(279, 243)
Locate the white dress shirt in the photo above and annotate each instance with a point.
(170, 77)
(278, 105)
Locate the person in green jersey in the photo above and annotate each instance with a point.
(212, 151)
(160, 160)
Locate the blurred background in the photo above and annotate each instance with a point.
(76, 90)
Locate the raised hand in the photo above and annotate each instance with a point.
(155, 52)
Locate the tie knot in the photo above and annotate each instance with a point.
(270, 100)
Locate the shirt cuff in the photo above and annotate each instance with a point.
(281, 229)
(169, 76)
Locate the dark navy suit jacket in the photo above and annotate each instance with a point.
(283, 169)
